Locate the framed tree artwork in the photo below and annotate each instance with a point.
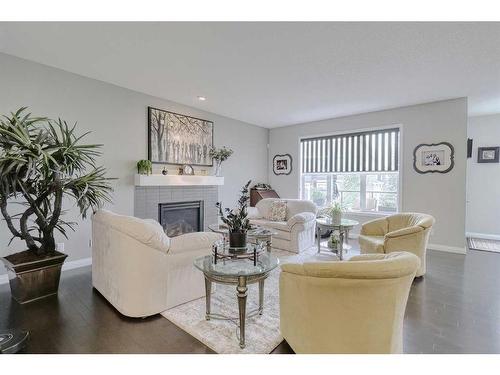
(174, 138)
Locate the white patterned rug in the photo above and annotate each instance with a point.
(262, 332)
(484, 245)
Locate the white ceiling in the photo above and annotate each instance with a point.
(276, 74)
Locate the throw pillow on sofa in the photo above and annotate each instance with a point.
(277, 211)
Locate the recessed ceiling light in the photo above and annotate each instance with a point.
(202, 98)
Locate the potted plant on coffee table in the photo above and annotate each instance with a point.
(236, 219)
(42, 164)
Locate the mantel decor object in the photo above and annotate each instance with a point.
(488, 154)
(282, 164)
(144, 167)
(434, 157)
(186, 170)
(220, 155)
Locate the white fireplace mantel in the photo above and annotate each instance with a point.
(177, 180)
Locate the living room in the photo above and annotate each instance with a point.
(249, 187)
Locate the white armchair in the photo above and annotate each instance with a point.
(297, 232)
(139, 269)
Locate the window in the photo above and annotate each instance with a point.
(358, 170)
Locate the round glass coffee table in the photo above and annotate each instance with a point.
(239, 272)
(343, 227)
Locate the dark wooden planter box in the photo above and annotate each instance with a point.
(32, 280)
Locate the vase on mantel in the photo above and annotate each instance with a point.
(218, 168)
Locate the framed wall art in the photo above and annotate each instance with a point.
(282, 164)
(174, 138)
(434, 157)
(488, 154)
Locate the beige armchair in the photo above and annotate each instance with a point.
(354, 306)
(402, 232)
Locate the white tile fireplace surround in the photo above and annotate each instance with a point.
(147, 199)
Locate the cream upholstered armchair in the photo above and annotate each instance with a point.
(354, 306)
(401, 232)
(139, 269)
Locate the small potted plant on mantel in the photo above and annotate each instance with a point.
(144, 167)
(220, 155)
(236, 220)
(42, 162)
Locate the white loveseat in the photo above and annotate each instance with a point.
(297, 232)
(139, 269)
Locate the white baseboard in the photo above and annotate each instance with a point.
(483, 236)
(447, 249)
(4, 279)
(77, 264)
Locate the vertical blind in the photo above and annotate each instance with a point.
(371, 151)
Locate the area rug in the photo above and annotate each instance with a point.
(484, 245)
(262, 333)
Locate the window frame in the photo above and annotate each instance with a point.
(400, 171)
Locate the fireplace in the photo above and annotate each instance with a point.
(178, 218)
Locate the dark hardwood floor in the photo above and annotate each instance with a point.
(455, 308)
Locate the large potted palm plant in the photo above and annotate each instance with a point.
(42, 163)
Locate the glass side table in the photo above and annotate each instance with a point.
(343, 227)
(240, 272)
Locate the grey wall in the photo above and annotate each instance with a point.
(483, 180)
(117, 118)
(441, 195)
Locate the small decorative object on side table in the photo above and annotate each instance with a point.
(343, 228)
(334, 242)
(236, 269)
